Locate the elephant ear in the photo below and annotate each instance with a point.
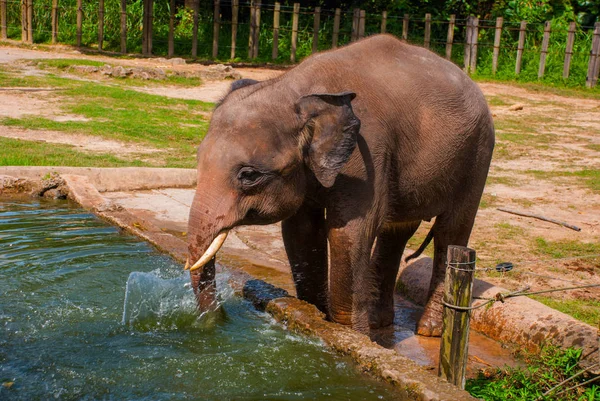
(330, 131)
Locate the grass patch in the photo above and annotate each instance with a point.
(588, 311)
(64, 63)
(537, 140)
(497, 180)
(29, 153)
(589, 177)
(593, 146)
(488, 200)
(564, 249)
(496, 101)
(544, 371)
(508, 231)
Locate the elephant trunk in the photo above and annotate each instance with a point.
(205, 238)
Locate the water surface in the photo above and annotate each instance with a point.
(90, 313)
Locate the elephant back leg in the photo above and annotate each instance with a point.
(385, 262)
(305, 239)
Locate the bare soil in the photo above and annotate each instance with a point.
(544, 142)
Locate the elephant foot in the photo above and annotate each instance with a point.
(430, 324)
(341, 318)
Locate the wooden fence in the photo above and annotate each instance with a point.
(468, 32)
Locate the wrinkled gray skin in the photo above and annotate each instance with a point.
(354, 147)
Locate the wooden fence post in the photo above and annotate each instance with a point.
(545, 42)
(427, 36)
(3, 26)
(455, 323)
(216, 28)
(147, 22)
(294, 31)
(355, 17)
(252, 28)
(30, 21)
(336, 28)
(569, 50)
(405, 27)
(196, 11)
(520, 47)
(123, 26)
(362, 16)
(468, 38)
(235, 6)
(100, 24)
(594, 64)
(497, 38)
(276, 30)
(171, 37)
(450, 37)
(256, 28)
(383, 21)
(23, 20)
(316, 24)
(79, 22)
(474, 39)
(54, 21)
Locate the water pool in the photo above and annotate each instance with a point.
(87, 312)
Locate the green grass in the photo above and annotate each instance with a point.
(114, 112)
(64, 63)
(507, 231)
(588, 177)
(587, 311)
(593, 146)
(31, 153)
(564, 249)
(544, 371)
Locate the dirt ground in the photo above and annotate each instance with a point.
(547, 162)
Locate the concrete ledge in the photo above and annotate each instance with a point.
(520, 320)
(113, 179)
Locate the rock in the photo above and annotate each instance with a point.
(177, 61)
(516, 107)
(106, 69)
(88, 69)
(119, 72)
(220, 71)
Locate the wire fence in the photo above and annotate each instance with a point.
(281, 33)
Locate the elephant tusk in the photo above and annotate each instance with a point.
(211, 251)
(187, 263)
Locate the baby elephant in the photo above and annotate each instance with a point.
(353, 148)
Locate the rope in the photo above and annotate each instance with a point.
(522, 292)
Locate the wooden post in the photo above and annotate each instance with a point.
(256, 29)
(474, 39)
(145, 27)
(3, 26)
(23, 20)
(276, 30)
(405, 27)
(355, 17)
(30, 21)
(569, 50)
(294, 31)
(100, 24)
(455, 323)
(171, 37)
(594, 64)
(123, 26)
(316, 25)
(545, 42)
(520, 47)
(196, 11)
(336, 28)
(497, 37)
(362, 15)
(252, 28)
(79, 22)
(450, 37)
(235, 6)
(54, 21)
(383, 21)
(427, 38)
(216, 29)
(468, 37)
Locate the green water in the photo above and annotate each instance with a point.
(72, 327)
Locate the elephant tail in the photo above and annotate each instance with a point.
(422, 247)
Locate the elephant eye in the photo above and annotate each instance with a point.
(249, 176)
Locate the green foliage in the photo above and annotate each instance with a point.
(544, 371)
(586, 310)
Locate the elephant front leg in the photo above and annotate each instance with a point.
(305, 239)
(352, 284)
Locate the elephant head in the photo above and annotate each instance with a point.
(266, 148)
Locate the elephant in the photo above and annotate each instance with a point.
(350, 150)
